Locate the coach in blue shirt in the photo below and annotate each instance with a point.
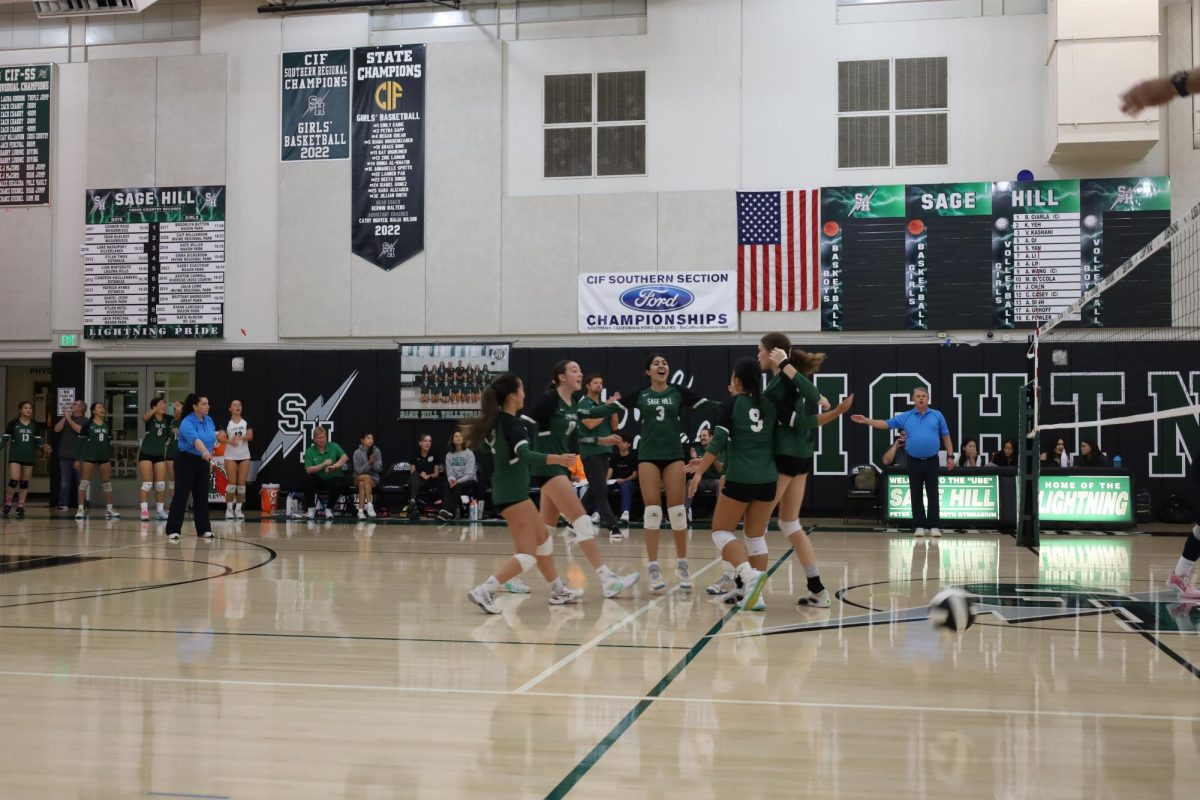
(925, 429)
(193, 465)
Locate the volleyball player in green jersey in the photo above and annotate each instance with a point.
(23, 439)
(660, 460)
(744, 440)
(152, 458)
(498, 429)
(173, 449)
(95, 455)
(557, 416)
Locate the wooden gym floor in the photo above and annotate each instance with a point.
(288, 660)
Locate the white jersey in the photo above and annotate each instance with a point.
(238, 452)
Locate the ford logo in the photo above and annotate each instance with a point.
(657, 298)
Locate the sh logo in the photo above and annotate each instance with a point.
(298, 417)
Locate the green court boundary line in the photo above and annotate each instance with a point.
(625, 723)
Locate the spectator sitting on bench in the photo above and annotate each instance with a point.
(623, 471)
(460, 476)
(325, 471)
(710, 481)
(426, 470)
(368, 466)
(895, 455)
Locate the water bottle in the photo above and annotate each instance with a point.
(474, 512)
(1116, 462)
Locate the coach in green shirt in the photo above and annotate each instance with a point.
(325, 471)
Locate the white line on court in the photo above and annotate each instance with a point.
(588, 645)
(872, 707)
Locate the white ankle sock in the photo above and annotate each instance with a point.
(1184, 567)
(605, 572)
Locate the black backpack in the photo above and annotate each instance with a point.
(1176, 509)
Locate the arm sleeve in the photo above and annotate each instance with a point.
(599, 411)
(721, 427)
(943, 429)
(806, 388)
(187, 432)
(11, 429)
(897, 421)
(518, 441)
(693, 400)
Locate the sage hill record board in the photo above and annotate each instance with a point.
(154, 263)
(999, 255)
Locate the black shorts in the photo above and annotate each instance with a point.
(661, 463)
(793, 465)
(501, 507)
(236, 460)
(749, 492)
(153, 459)
(97, 463)
(22, 463)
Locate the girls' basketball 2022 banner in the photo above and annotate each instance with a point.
(315, 106)
(387, 154)
(658, 302)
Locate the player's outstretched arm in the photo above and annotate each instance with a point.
(1158, 91)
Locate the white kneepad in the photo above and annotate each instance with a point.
(652, 520)
(722, 538)
(546, 548)
(84, 485)
(147, 485)
(107, 487)
(160, 486)
(584, 529)
(527, 561)
(789, 526)
(756, 545)
(678, 517)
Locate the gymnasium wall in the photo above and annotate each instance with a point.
(977, 388)
(739, 96)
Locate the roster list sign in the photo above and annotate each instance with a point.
(154, 263)
(25, 96)
(1036, 249)
(387, 154)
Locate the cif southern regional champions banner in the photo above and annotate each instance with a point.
(659, 302)
(315, 106)
(387, 155)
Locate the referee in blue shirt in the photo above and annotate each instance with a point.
(925, 428)
(193, 465)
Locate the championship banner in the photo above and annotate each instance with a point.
(314, 118)
(387, 155)
(973, 497)
(661, 302)
(25, 99)
(1085, 499)
(154, 263)
(445, 381)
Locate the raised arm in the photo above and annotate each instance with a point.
(880, 424)
(1158, 91)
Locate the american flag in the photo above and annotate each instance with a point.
(777, 250)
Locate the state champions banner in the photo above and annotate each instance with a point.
(387, 154)
(658, 302)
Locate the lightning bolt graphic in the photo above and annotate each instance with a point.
(318, 412)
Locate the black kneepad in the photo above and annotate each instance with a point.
(23, 484)
(12, 484)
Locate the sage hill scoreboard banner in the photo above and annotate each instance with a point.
(660, 302)
(315, 106)
(154, 263)
(991, 255)
(1082, 500)
(25, 100)
(387, 154)
(960, 497)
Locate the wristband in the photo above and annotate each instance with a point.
(1180, 81)
(787, 362)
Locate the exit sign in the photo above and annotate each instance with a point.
(68, 340)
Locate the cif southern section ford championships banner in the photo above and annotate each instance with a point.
(315, 106)
(444, 381)
(154, 263)
(662, 302)
(387, 154)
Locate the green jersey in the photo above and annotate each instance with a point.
(558, 427)
(662, 426)
(509, 444)
(313, 456)
(600, 431)
(744, 439)
(23, 439)
(173, 439)
(799, 404)
(95, 442)
(158, 436)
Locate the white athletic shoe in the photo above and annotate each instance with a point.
(161, 515)
(624, 516)
(81, 513)
(145, 515)
(329, 513)
(919, 532)
(935, 533)
(615, 534)
(815, 600)
(371, 511)
(723, 586)
(362, 514)
(172, 537)
(484, 599)
(657, 581)
(516, 586)
(237, 513)
(685, 576)
(595, 517)
(229, 515)
(563, 596)
(753, 598)
(619, 583)
(312, 513)
(111, 514)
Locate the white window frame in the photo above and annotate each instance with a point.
(892, 112)
(594, 125)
